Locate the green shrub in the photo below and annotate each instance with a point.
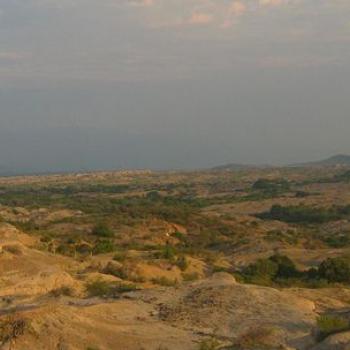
(271, 187)
(103, 247)
(338, 241)
(99, 288)
(335, 270)
(180, 236)
(264, 268)
(344, 176)
(303, 214)
(328, 325)
(120, 256)
(167, 252)
(104, 289)
(277, 268)
(102, 230)
(286, 267)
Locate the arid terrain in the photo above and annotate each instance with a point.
(250, 259)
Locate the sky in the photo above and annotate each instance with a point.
(172, 84)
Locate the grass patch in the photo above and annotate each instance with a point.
(331, 324)
(164, 281)
(104, 289)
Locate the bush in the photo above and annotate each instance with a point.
(271, 186)
(103, 247)
(335, 270)
(120, 256)
(102, 230)
(281, 270)
(104, 289)
(264, 268)
(286, 267)
(12, 328)
(303, 214)
(167, 252)
(328, 325)
(338, 241)
(99, 288)
(277, 268)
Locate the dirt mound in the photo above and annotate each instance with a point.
(42, 283)
(175, 318)
(9, 233)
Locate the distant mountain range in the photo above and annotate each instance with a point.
(238, 167)
(340, 160)
(337, 160)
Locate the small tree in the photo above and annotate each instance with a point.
(335, 270)
(286, 267)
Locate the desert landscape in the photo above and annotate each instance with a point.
(228, 258)
(174, 175)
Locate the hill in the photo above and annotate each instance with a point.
(337, 160)
(238, 167)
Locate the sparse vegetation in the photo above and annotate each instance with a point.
(103, 247)
(164, 281)
(104, 289)
(271, 187)
(305, 215)
(256, 338)
(12, 328)
(331, 324)
(280, 270)
(103, 230)
(209, 344)
(335, 270)
(62, 291)
(167, 230)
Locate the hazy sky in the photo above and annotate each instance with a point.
(172, 83)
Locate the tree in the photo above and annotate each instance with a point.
(286, 267)
(335, 270)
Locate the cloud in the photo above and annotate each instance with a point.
(200, 18)
(237, 8)
(12, 56)
(270, 2)
(146, 3)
